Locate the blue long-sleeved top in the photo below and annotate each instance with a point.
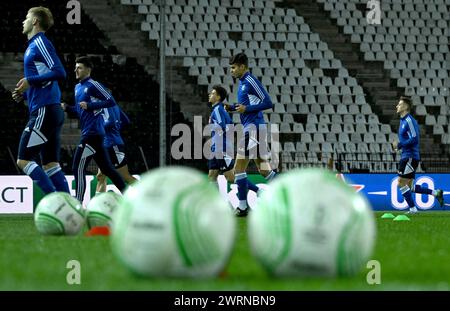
(252, 94)
(97, 97)
(42, 69)
(114, 120)
(220, 119)
(408, 137)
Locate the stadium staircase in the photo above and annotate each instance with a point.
(126, 35)
(380, 89)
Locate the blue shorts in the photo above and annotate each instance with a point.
(254, 144)
(407, 168)
(224, 164)
(117, 155)
(42, 135)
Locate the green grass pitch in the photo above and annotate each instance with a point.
(413, 255)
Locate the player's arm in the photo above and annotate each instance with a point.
(109, 120)
(19, 96)
(229, 107)
(70, 109)
(106, 100)
(411, 141)
(214, 120)
(220, 118)
(51, 59)
(266, 101)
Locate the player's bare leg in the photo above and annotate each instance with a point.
(212, 176)
(101, 182)
(229, 176)
(265, 169)
(241, 164)
(22, 163)
(123, 171)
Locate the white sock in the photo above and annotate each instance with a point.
(243, 204)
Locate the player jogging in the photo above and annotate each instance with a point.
(222, 161)
(90, 98)
(252, 99)
(408, 142)
(114, 120)
(41, 136)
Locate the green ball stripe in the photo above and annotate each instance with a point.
(78, 211)
(204, 242)
(95, 219)
(98, 215)
(278, 226)
(191, 219)
(285, 226)
(51, 219)
(195, 247)
(186, 238)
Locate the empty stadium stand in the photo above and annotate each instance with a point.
(334, 78)
(319, 101)
(136, 90)
(345, 28)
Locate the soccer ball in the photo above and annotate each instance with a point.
(59, 213)
(174, 223)
(309, 223)
(101, 208)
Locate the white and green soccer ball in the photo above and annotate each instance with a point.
(59, 213)
(173, 223)
(100, 209)
(309, 223)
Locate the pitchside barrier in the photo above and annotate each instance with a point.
(18, 194)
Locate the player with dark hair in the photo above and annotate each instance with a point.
(114, 120)
(252, 99)
(90, 98)
(222, 156)
(408, 142)
(39, 86)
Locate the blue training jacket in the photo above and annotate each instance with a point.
(220, 120)
(42, 69)
(97, 97)
(252, 94)
(408, 137)
(114, 120)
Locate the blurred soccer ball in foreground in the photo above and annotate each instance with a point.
(173, 222)
(59, 213)
(308, 223)
(101, 208)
